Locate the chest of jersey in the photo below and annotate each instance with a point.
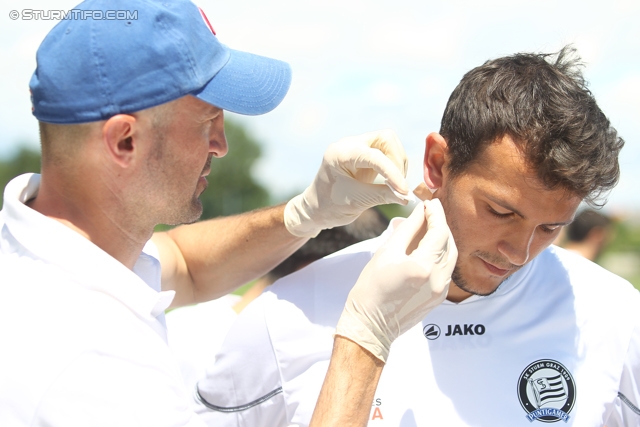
(503, 362)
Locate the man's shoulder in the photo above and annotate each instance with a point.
(576, 269)
(282, 340)
(343, 263)
(50, 300)
(320, 289)
(587, 283)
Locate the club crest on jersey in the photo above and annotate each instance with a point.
(547, 391)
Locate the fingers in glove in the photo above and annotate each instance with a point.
(436, 243)
(366, 195)
(388, 142)
(406, 237)
(375, 159)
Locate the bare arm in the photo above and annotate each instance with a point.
(349, 387)
(208, 259)
(406, 278)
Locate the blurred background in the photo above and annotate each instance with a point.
(365, 65)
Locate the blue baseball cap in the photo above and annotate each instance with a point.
(109, 57)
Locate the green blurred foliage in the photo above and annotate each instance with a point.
(232, 187)
(25, 160)
(625, 246)
(626, 237)
(394, 210)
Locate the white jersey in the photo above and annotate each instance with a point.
(186, 328)
(559, 341)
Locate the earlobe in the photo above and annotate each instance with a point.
(117, 135)
(434, 160)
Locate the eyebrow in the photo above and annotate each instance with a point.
(507, 206)
(214, 108)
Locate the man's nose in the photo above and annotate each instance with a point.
(516, 247)
(217, 139)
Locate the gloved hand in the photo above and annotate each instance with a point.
(343, 187)
(406, 278)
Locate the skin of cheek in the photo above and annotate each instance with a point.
(186, 154)
(505, 242)
(475, 232)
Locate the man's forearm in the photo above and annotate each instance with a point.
(208, 259)
(349, 387)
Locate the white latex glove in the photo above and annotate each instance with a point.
(400, 284)
(343, 187)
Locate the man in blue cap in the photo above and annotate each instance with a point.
(131, 115)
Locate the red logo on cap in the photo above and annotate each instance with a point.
(206, 21)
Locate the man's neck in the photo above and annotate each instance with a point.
(456, 294)
(85, 213)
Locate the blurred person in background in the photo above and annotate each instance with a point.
(589, 234)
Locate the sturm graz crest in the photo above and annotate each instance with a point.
(547, 391)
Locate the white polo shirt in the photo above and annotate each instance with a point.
(186, 327)
(83, 337)
(558, 342)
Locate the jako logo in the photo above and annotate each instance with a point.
(465, 329)
(431, 331)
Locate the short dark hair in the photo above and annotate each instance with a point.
(584, 222)
(542, 102)
(371, 223)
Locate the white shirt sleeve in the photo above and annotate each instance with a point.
(626, 412)
(272, 364)
(243, 386)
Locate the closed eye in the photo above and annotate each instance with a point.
(548, 230)
(499, 214)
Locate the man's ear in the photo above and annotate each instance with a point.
(434, 159)
(118, 138)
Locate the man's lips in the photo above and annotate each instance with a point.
(206, 170)
(495, 270)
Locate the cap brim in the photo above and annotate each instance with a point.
(248, 84)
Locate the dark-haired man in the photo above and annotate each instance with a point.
(528, 334)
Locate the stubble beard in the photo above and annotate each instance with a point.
(177, 212)
(457, 277)
(187, 213)
(193, 209)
